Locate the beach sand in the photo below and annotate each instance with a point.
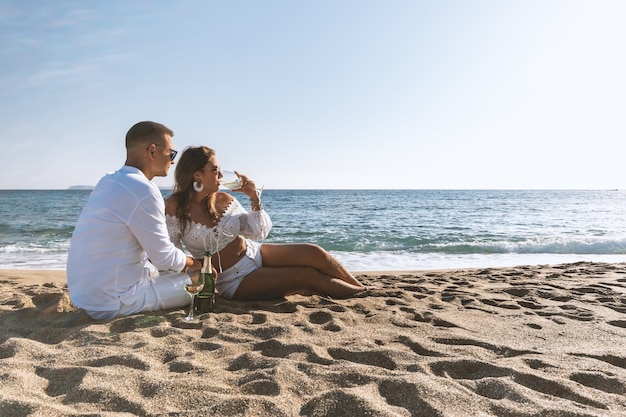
(521, 341)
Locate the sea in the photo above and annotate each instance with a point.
(374, 230)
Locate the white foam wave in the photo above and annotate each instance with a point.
(397, 261)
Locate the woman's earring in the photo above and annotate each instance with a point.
(198, 186)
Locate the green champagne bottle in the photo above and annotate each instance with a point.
(206, 298)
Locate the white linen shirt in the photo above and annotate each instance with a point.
(120, 228)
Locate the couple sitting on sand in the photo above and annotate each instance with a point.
(126, 222)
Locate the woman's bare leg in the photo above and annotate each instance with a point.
(304, 254)
(269, 283)
(297, 269)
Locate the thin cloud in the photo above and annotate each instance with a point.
(47, 75)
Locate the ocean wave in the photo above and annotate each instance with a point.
(19, 231)
(407, 261)
(561, 246)
(36, 248)
(461, 246)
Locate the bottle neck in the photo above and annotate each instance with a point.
(206, 265)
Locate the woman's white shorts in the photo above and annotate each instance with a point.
(229, 280)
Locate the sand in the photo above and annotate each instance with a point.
(522, 341)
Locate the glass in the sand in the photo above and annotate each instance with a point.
(232, 181)
(193, 287)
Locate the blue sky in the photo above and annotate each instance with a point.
(321, 94)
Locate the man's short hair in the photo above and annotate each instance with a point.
(144, 132)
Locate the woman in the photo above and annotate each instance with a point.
(202, 218)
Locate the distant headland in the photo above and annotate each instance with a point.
(81, 187)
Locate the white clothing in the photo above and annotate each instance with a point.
(229, 280)
(198, 238)
(161, 293)
(120, 228)
(235, 221)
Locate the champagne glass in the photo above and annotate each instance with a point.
(193, 288)
(232, 181)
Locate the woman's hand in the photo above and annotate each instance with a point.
(247, 187)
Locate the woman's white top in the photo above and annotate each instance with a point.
(235, 221)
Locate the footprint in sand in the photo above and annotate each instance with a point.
(209, 332)
(407, 317)
(341, 403)
(62, 319)
(518, 292)
(320, 317)
(207, 346)
(577, 313)
(259, 318)
(474, 370)
(617, 361)
(617, 323)
(501, 351)
(372, 358)
(530, 304)
(406, 395)
(276, 349)
(325, 318)
(75, 384)
(453, 292)
(599, 381)
(260, 383)
(267, 332)
(181, 366)
(129, 360)
(500, 303)
(417, 291)
(250, 362)
(418, 348)
(132, 323)
(62, 380)
(538, 364)
(410, 317)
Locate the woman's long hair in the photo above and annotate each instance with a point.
(193, 159)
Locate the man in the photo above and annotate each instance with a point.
(120, 228)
